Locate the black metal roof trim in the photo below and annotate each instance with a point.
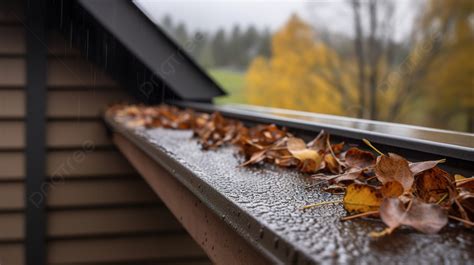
(164, 58)
(263, 204)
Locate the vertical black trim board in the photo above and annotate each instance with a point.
(36, 56)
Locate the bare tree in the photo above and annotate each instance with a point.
(359, 51)
(369, 46)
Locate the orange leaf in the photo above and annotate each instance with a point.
(392, 189)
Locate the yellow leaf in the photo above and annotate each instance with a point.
(361, 198)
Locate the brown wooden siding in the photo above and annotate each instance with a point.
(12, 253)
(133, 248)
(95, 186)
(12, 164)
(99, 210)
(12, 133)
(66, 193)
(12, 111)
(12, 102)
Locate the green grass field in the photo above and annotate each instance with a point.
(232, 82)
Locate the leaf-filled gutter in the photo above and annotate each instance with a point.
(401, 193)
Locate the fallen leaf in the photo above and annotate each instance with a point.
(394, 168)
(360, 198)
(391, 189)
(466, 201)
(433, 184)
(337, 148)
(297, 145)
(332, 164)
(424, 217)
(255, 158)
(309, 165)
(425, 165)
(310, 160)
(358, 158)
(319, 143)
(350, 175)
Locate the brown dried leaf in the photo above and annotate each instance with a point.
(424, 217)
(466, 201)
(320, 142)
(358, 158)
(257, 157)
(434, 184)
(394, 168)
(419, 167)
(360, 198)
(350, 175)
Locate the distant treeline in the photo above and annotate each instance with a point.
(222, 49)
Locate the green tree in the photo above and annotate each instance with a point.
(219, 49)
(235, 48)
(264, 44)
(249, 45)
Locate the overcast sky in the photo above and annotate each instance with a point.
(209, 15)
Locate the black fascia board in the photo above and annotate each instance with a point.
(152, 47)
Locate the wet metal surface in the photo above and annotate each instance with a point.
(402, 130)
(263, 204)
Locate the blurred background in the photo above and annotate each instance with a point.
(405, 61)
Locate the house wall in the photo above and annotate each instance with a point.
(99, 210)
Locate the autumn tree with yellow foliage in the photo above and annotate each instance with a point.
(288, 79)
